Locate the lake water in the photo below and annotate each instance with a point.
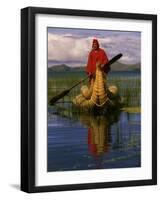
(86, 142)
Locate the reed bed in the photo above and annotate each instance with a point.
(129, 87)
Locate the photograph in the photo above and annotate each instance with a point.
(94, 99)
(88, 93)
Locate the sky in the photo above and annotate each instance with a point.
(72, 46)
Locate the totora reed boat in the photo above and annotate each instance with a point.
(98, 97)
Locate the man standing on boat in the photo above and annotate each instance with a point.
(97, 54)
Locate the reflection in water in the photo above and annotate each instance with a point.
(77, 142)
(97, 133)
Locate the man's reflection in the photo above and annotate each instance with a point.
(98, 137)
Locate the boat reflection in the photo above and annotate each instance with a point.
(98, 129)
(98, 132)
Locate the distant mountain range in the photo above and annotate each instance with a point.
(124, 67)
(115, 67)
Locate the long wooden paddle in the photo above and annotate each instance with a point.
(65, 92)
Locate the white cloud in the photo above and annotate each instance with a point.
(63, 48)
(67, 47)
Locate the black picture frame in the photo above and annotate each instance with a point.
(28, 98)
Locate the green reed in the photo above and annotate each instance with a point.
(129, 87)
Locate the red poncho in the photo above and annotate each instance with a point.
(94, 57)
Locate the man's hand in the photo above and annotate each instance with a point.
(102, 65)
(91, 75)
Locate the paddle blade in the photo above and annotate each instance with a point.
(107, 67)
(59, 96)
(114, 59)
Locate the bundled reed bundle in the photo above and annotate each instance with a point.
(96, 94)
(113, 89)
(99, 95)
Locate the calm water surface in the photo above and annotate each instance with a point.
(86, 142)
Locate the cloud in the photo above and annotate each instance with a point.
(74, 47)
(66, 47)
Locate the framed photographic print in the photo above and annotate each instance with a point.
(88, 99)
